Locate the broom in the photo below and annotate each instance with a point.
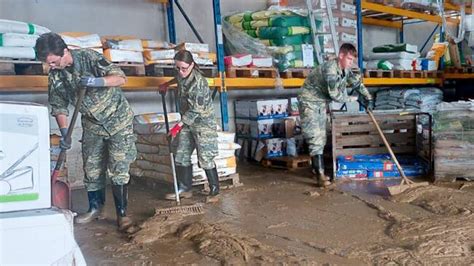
(190, 209)
(405, 183)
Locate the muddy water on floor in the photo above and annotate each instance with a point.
(280, 216)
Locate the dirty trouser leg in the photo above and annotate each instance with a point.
(185, 148)
(184, 167)
(313, 124)
(121, 153)
(206, 143)
(94, 159)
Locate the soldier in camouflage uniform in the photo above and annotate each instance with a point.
(197, 128)
(108, 142)
(327, 82)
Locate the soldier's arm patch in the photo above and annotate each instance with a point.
(200, 100)
(104, 63)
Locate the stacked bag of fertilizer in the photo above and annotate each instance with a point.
(18, 39)
(280, 33)
(153, 157)
(378, 166)
(454, 141)
(226, 163)
(121, 49)
(424, 99)
(401, 56)
(285, 34)
(78, 41)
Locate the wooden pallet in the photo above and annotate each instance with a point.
(295, 73)
(354, 134)
(462, 70)
(10, 66)
(432, 74)
(166, 70)
(131, 69)
(408, 74)
(225, 182)
(251, 72)
(375, 73)
(289, 163)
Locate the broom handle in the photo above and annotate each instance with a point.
(173, 168)
(394, 158)
(62, 154)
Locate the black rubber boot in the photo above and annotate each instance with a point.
(185, 182)
(96, 205)
(213, 180)
(120, 193)
(317, 162)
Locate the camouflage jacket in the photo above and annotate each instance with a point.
(195, 101)
(104, 110)
(328, 82)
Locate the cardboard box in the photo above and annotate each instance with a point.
(280, 108)
(242, 109)
(260, 109)
(261, 128)
(267, 128)
(269, 148)
(242, 127)
(293, 106)
(292, 126)
(25, 180)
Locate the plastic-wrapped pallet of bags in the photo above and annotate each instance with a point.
(12, 26)
(18, 52)
(17, 40)
(454, 140)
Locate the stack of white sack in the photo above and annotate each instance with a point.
(158, 52)
(225, 161)
(18, 39)
(119, 49)
(153, 154)
(78, 41)
(393, 57)
(200, 51)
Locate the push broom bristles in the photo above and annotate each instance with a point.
(194, 209)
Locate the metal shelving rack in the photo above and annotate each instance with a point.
(367, 13)
(393, 17)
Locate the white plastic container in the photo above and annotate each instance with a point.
(25, 181)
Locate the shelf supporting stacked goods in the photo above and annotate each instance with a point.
(389, 16)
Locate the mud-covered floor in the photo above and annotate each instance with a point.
(281, 217)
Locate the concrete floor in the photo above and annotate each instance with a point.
(281, 217)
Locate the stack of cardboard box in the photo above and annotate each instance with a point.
(267, 126)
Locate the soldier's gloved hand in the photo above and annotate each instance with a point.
(176, 129)
(163, 88)
(64, 144)
(370, 104)
(92, 82)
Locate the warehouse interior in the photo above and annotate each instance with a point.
(271, 208)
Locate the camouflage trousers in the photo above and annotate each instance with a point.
(107, 157)
(204, 139)
(313, 124)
